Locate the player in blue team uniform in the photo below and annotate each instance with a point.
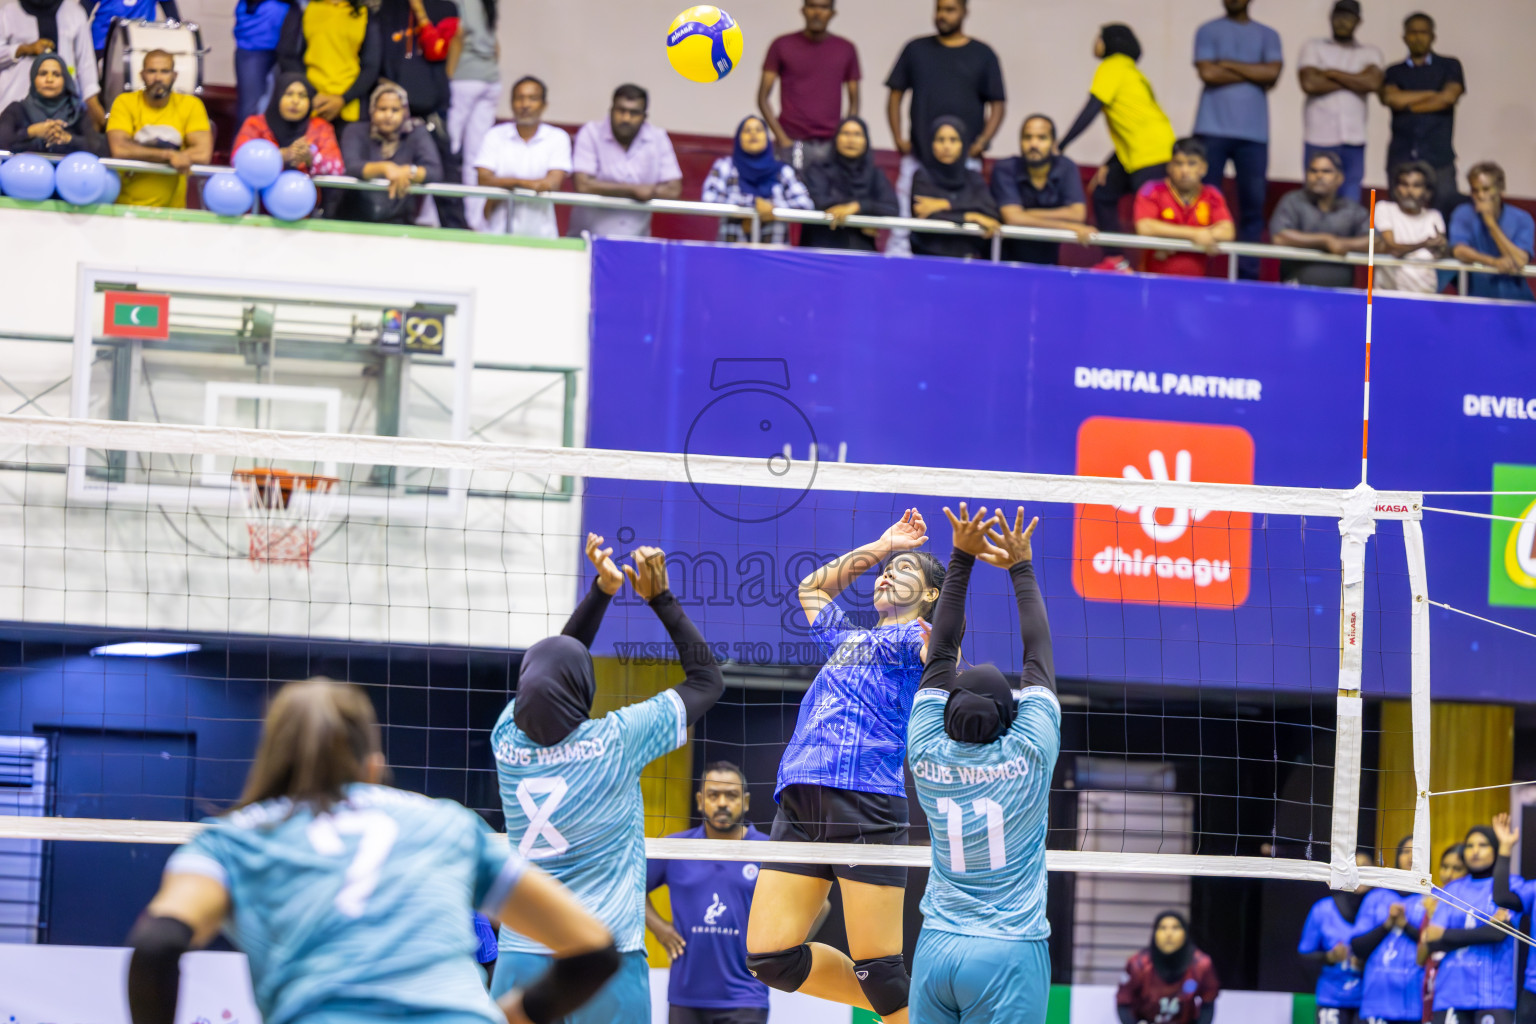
(1325, 941)
(570, 785)
(1386, 943)
(1475, 983)
(1506, 892)
(352, 900)
(982, 756)
(840, 781)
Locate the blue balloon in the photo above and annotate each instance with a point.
(226, 195)
(258, 163)
(290, 197)
(111, 185)
(27, 176)
(78, 177)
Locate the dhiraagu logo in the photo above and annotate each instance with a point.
(1512, 552)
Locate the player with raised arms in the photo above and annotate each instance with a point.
(982, 756)
(840, 781)
(350, 899)
(570, 784)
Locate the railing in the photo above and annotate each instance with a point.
(722, 211)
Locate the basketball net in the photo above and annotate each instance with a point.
(284, 511)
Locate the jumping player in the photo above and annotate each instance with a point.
(982, 758)
(570, 785)
(840, 780)
(351, 900)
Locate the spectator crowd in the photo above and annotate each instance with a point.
(406, 91)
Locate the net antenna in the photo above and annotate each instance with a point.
(284, 513)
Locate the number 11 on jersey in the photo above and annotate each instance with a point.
(989, 810)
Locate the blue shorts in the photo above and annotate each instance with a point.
(626, 999)
(957, 978)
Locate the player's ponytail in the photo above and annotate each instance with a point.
(317, 739)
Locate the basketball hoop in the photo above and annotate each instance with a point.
(284, 511)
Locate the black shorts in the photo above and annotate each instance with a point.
(694, 1015)
(1338, 1014)
(1474, 1017)
(823, 814)
(1525, 1010)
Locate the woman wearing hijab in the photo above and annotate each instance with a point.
(1325, 940)
(31, 28)
(945, 189)
(393, 146)
(847, 183)
(1142, 133)
(1169, 982)
(754, 178)
(258, 27)
(570, 783)
(307, 143)
(1386, 942)
(1476, 980)
(51, 119)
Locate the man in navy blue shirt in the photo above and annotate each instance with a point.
(711, 900)
(1040, 188)
(1422, 93)
(1489, 231)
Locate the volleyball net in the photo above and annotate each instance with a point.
(1214, 643)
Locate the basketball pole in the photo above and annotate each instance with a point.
(1370, 290)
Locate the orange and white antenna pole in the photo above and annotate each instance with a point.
(1370, 294)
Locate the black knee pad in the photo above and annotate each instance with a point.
(785, 970)
(885, 982)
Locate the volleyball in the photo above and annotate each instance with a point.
(704, 44)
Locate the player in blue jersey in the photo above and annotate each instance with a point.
(1506, 892)
(982, 756)
(352, 900)
(1475, 983)
(840, 781)
(1325, 942)
(570, 784)
(1386, 943)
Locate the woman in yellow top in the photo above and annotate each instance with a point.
(336, 45)
(1141, 132)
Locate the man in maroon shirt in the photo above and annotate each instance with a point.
(1169, 982)
(811, 67)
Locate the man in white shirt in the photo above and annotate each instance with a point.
(1338, 75)
(626, 156)
(1409, 228)
(525, 154)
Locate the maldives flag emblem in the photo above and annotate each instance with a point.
(137, 315)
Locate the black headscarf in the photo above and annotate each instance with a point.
(950, 177)
(1348, 903)
(851, 179)
(555, 688)
(64, 107)
(284, 131)
(1171, 966)
(980, 706)
(47, 14)
(1493, 841)
(1119, 38)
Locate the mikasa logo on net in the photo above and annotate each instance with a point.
(1143, 553)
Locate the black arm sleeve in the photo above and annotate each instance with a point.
(290, 42)
(1318, 957)
(1127, 1016)
(702, 682)
(1412, 931)
(171, 12)
(1085, 117)
(1365, 944)
(370, 58)
(1456, 938)
(588, 616)
(568, 985)
(1503, 896)
(1207, 1013)
(948, 623)
(154, 972)
(1034, 628)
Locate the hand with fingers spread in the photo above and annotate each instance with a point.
(1014, 543)
(649, 573)
(609, 579)
(1507, 834)
(971, 532)
(908, 533)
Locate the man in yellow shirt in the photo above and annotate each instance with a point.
(1141, 132)
(159, 126)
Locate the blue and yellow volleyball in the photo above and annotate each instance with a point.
(704, 44)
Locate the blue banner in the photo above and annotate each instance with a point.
(765, 353)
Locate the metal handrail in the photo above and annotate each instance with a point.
(724, 211)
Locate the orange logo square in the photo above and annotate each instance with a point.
(1163, 555)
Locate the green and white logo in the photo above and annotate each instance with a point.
(1512, 551)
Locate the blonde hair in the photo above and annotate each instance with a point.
(317, 739)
